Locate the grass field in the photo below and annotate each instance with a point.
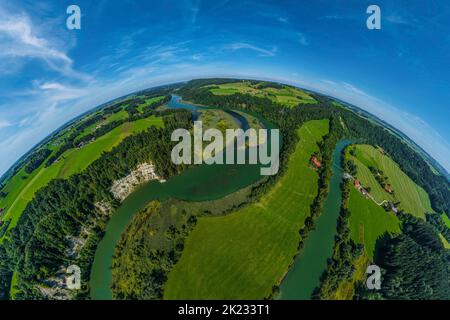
(346, 289)
(413, 199)
(243, 254)
(72, 161)
(287, 96)
(149, 101)
(113, 117)
(444, 241)
(446, 220)
(368, 221)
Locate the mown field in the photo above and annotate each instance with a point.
(22, 187)
(413, 199)
(149, 101)
(243, 254)
(113, 117)
(368, 221)
(285, 95)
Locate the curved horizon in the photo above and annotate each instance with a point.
(50, 75)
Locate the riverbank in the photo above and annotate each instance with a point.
(198, 183)
(304, 275)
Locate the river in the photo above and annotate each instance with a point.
(199, 183)
(304, 275)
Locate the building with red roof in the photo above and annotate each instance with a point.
(388, 188)
(316, 161)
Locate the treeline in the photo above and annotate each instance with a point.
(72, 141)
(154, 241)
(148, 250)
(413, 164)
(439, 225)
(36, 159)
(37, 247)
(285, 119)
(326, 147)
(133, 111)
(358, 129)
(340, 267)
(265, 85)
(415, 264)
(69, 142)
(97, 133)
(5, 274)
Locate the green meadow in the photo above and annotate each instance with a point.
(286, 95)
(21, 190)
(368, 221)
(446, 220)
(413, 199)
(244, 254)
(122, 114)
(149, 101)
(445, 243)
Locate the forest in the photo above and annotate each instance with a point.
(36, 159)
(358, 129)
(414, 264)
(340, 267)
(37, 247)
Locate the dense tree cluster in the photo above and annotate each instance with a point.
(415, 264)
(72, 140)
(436, 221)
(358, 128)
(413, 164)
(36, 159)
(341, 265)
(148, 250)
(37, 247)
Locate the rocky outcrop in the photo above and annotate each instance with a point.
(123, 187)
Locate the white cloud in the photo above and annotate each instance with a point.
(396, 19)
(4, 124)
(20, 39)
(302, 39)
(262, 52)
(52, 86)
(413, 126)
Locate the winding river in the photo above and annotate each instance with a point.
(304, 275)
(196, 184)
(200, 184)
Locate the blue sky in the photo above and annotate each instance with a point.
(49, 74)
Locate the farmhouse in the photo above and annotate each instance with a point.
(388, 188)
(315, 161)
(356, 183)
